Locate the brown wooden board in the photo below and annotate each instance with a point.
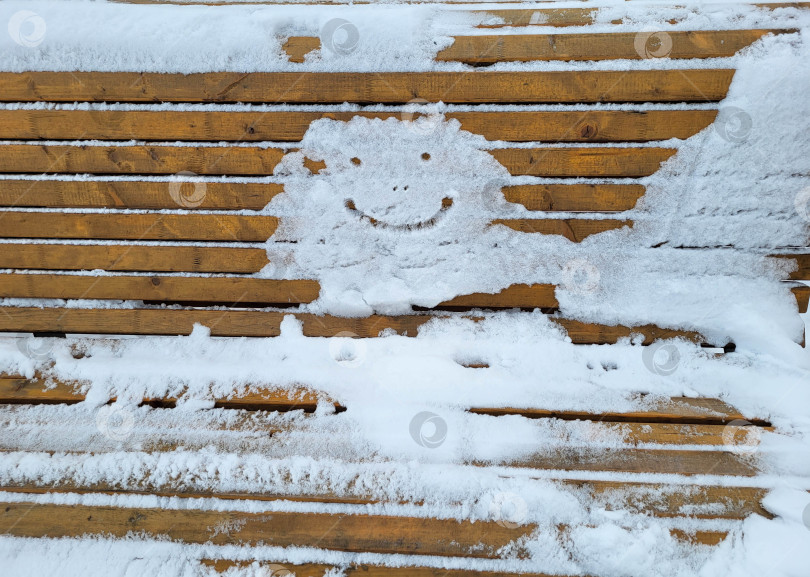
(478, 50)
(255, 323)
(132, 257)
(137, 194)
(215, 125)
(138, 226)
(578, 162)
(158, 288)
(703, 85)
(138, 159)
(574, 229)
(357, 533)
(575, 197)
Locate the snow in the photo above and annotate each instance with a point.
(407, 437)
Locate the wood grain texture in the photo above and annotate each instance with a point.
(297, 47)
(660, 500)
(557, 17)
(45, 390)
(519, 295)
(578, 162)
(266, 324)
(137, 194)
(575, 197)
(249, 161)
(132, 257)
(682, 410)
(354, 533)
(560, 17)
(675, 462)
(802, 271)
(232, 290)
(802, 294)
(138, 226)
(574, 229)
(703, 85)
(478, 50)
(138, 159)
(163, 125)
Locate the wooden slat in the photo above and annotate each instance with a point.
(802, 262)
(139, 226)
(574, 229)
(675, 410)
(370, 88)
(266, 324)
(675, 462)
(137, 194)
(250, 161)
(214, 125)
(479, 50)
(802, 294)
(519, 295)
(132, 258)
(560, 17)
(683, 410)
(359, 533)
(578, 162)
(575, 197)
(297, 47)
(139, 159)
(699, 501)
(39, 390)
(159, 288)
(364, 570)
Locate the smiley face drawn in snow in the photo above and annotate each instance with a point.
(390, 175)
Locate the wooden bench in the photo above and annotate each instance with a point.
(143, 230)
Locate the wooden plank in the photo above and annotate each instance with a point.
(698, 501)
(137, 194)
(574, 229)
(802, 262)
(364, 570)
(139, 159)
(518, 295)
(159, 288)
(132, 257)
(586, 126)
(675, 410)
(353, 533)
(254, 161)
(255, 323)
(18, 390)
(214, 125)
(369, 88)
(579, 162)
(484, 50)
(138, 226)
(683, 410)
(802, 294)
(673, 462)
(561, 17)
(575, 197)
(40, 390)
(557, 17)
(297, 47)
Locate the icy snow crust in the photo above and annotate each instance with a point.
(745, 191)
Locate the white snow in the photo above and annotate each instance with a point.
(407, 436)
